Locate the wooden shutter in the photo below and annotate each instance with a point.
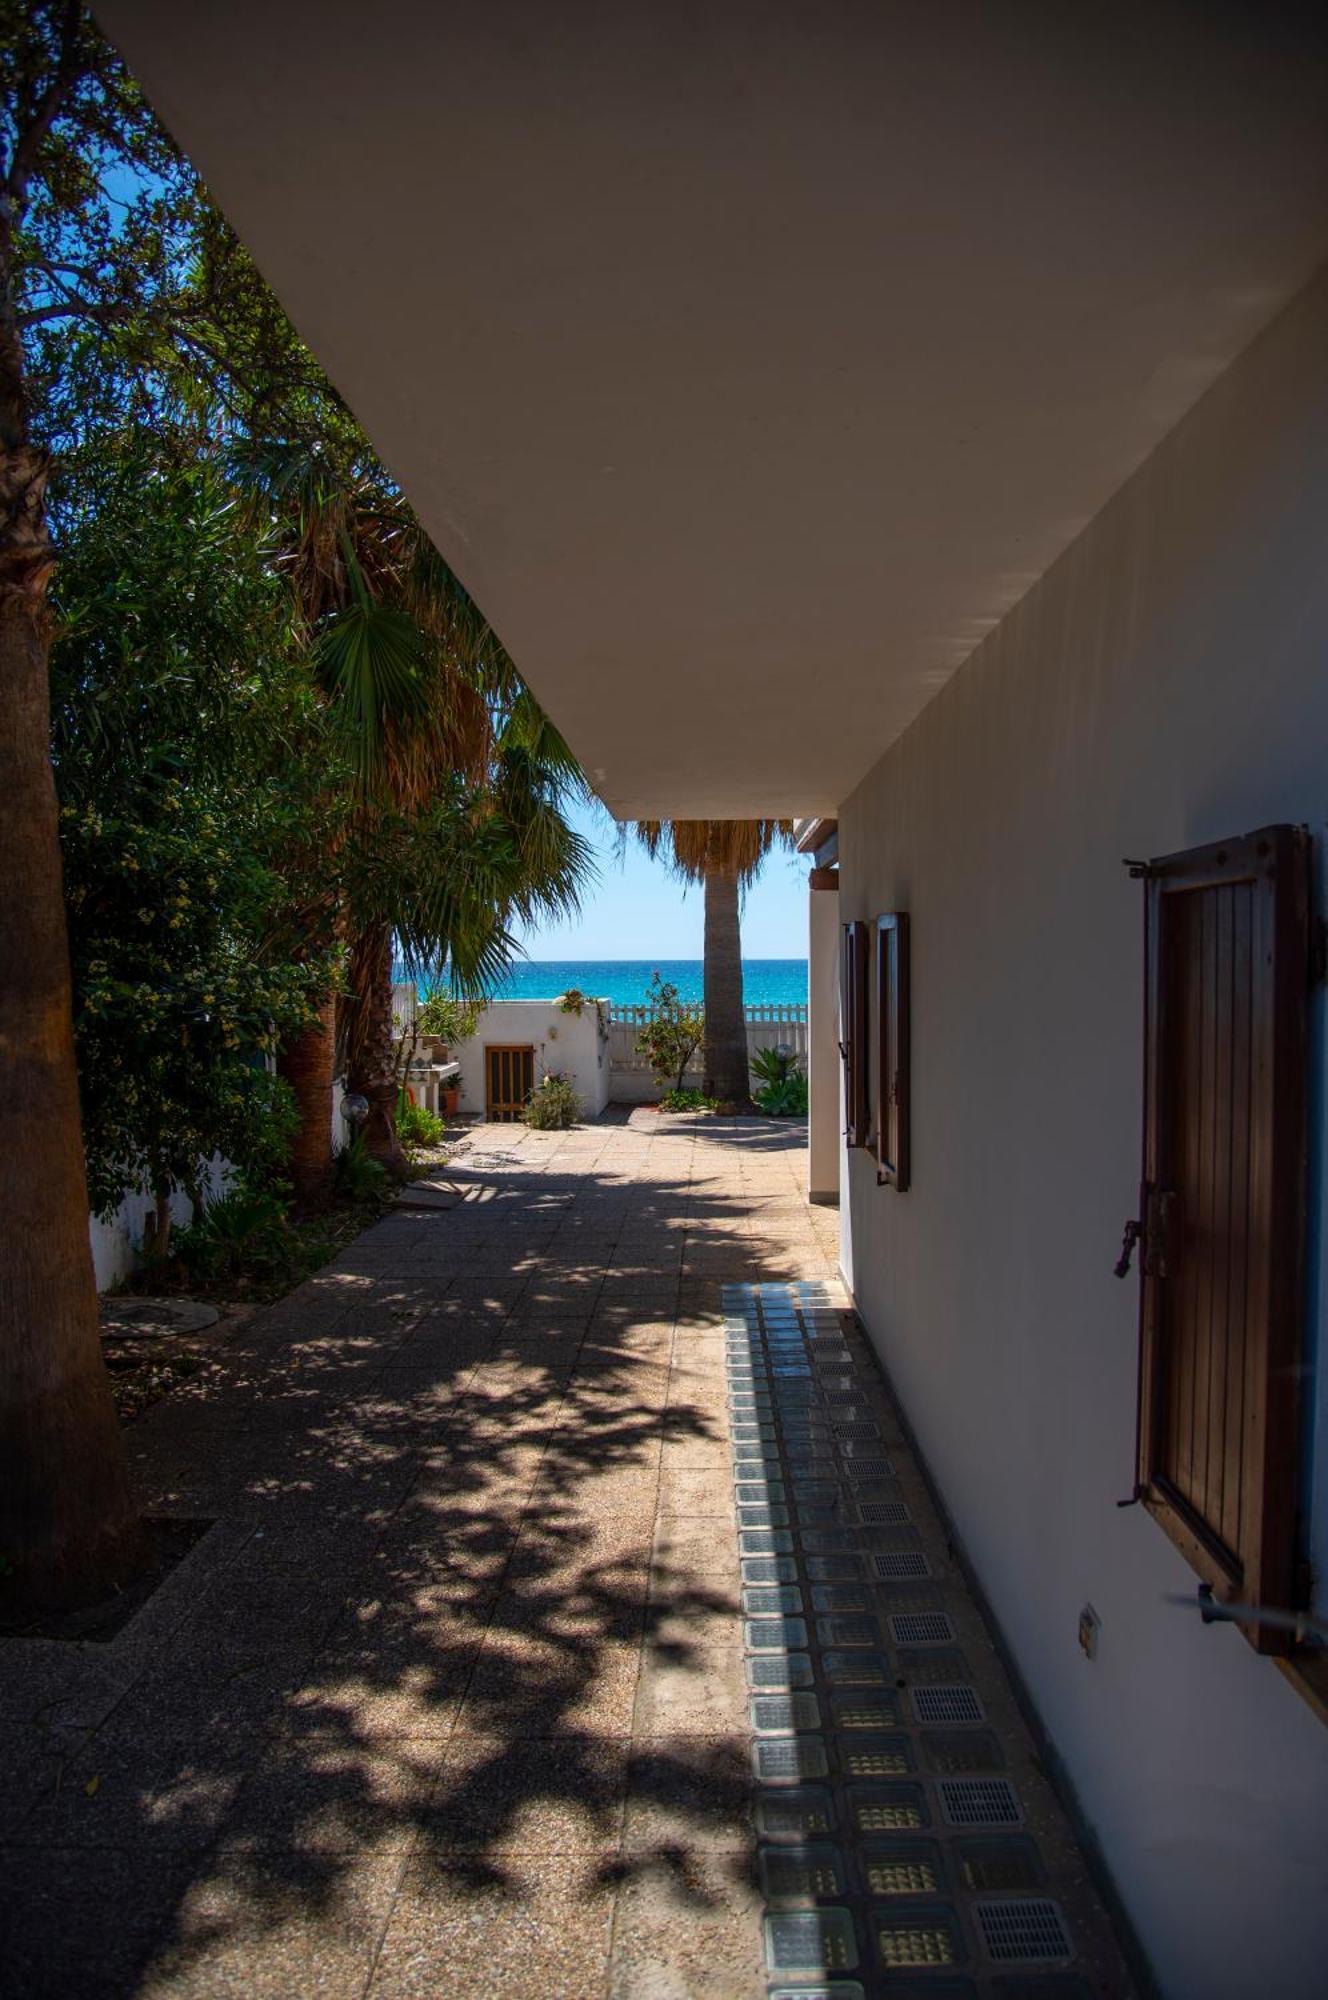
(853, 1047)
(1227, 958)
(892, 1068)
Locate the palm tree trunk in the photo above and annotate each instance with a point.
(68, 1526)
(371, 1045)
(727, 1076)
(307, 1063)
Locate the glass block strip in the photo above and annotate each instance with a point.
(789, 1760)
(902, 1867)
(764, 1600)
(798, 1874)
(797, 1814)
(920, 1940)
(777, 1714)
(887, 1808)
(867, 1755)
(810, 1940)
(774, 1672)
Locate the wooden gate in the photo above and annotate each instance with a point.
(509, 1078)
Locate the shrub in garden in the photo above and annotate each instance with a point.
(553, 1105)
(672, 1035)
(781, 1089)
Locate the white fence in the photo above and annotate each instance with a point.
(769, 1025)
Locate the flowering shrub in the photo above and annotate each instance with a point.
(553, 1105)
(673, 1033)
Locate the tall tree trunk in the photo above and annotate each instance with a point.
(307, 1063)
(371, 1045)
(727, 1076)
(68, 1526)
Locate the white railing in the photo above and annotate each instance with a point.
(770, 1024)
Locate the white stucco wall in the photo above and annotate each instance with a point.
(1165, 684)
(571, 1043)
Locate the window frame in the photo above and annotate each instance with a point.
(853, 1002)
(1260, 1567)
(893, 1053)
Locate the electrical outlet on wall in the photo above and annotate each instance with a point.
(1089, 1627)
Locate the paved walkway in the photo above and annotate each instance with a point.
(469, 1687)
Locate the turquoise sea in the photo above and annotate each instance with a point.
(765, 981)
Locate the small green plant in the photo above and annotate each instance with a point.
(553, 1105)
(360, 1178)
(246, 1229)
(781, 1086)
(687, 1100)
(672, 1035)
(573, 1001)
(416, 1125)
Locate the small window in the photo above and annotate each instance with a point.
(853, 1025)
(892, 1079)
(1223, 1211)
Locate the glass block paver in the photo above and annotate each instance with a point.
(913, 1860)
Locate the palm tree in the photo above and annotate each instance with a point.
(458, 780)
(726, 855)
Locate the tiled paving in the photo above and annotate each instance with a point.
(573, 1623)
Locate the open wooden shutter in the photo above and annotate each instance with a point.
(1224, 1194)
(853, 1018)
(892, 1068)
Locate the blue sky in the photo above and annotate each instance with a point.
(636, 909)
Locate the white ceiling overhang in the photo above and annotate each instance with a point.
(749, 361)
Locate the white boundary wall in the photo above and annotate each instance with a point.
(571, 1043)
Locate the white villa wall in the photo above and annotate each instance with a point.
(571, 1043)
(1164, 685)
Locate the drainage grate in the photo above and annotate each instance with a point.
(774, 1635)
(883, 1513)
(947, 1704)
(770, 1569)
(799, 1873)
(980, 1802)
(815, 1940)
(774, 1671)
(870, 1468)
(869, 1756)
(903, 1868)
(841, 1597)
(924, 1938)
(895, 1565)
(921, 1628)
(788, 1760)
(860, 1434)
(887, 1808)
(957, 1752)
(1002, 1865)
(1028, 1928)
(764, 1599)
(795, 1815)
(776, 1714)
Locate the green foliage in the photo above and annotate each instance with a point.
(246, 1229)
(188, 759)
(553, 1105)
(416, 1125)
(360, 1178)
(573, 1001)
(673, 1033)
(687, 1100)
(450, 1019)
(782, 1086)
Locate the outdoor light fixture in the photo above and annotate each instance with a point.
(354, 1109)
